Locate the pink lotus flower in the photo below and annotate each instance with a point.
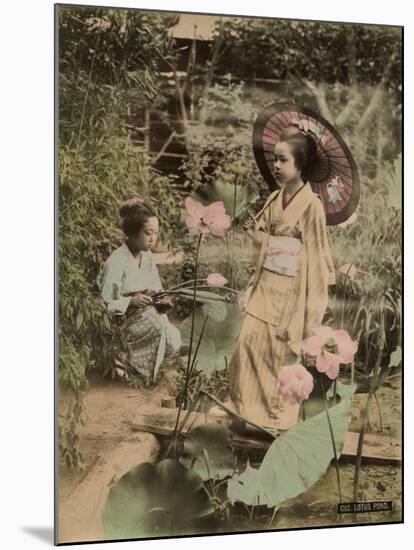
(346, 347)
(216, 279)
(349, 270)
(294, 383)
(207, 219)
(314, 344)
(328, 363)
(323, 343)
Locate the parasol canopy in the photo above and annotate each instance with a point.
(334, 176)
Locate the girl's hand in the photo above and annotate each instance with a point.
(141, 300)
(250, 223)
(251, 226)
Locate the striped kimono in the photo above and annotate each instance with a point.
(282, 309)
(148, 335)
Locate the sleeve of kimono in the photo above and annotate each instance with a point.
(110, 284)
(263, 223)
(320, 270)
(156, 283)
(264, 218)
(259, 247)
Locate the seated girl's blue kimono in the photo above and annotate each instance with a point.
(147, 334)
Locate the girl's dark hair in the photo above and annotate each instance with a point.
(304, 149)
(134, 213)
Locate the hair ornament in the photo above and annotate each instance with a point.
(135, 201)
(307, 127)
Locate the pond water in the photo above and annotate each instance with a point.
(109, 404)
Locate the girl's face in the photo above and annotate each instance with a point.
(145, 240)
(285, 166)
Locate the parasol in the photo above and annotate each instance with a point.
(335, 175)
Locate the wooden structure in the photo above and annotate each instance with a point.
(161, 421)
(161, 132)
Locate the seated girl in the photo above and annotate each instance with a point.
(127, 281)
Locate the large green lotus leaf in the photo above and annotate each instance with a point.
(246, 487)
(216, 311)
(218, 341)
(296, 460)
(156, 500)
(226, 333)
(208, 451)
(220, 191)
(315, 405)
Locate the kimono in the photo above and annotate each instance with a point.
(147, 335)
(282, 308)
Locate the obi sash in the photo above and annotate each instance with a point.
(282, 255)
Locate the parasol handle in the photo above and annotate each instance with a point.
(265, 207)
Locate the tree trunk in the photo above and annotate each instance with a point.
(350, 46)
(210, 75)
(318, 93)
(346, 113)
(376, 98)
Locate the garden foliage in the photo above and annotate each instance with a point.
(109, 70)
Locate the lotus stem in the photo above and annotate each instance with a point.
(344, 296)
(201, 287)
(270, 522)
(180, 285)
(187, 375)
(338, 479)
(233, 251)
(198, 345)
(364, 415)
(239, 416)
(379, 411)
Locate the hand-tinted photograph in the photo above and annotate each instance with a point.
(229, 274)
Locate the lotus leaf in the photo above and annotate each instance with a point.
(157, 500)
(219, 338)
(208, 452)
(296, 460)
(216, 311)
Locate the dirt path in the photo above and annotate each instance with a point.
(109, 405)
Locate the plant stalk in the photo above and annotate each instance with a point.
(239, 416)
(188, 371)
(338, 479)
(344, 296)
(364, 415)
(233, 251)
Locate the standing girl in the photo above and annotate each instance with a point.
(126, 282)
(289, 293)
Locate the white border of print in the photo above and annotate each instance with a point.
(26, 217)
